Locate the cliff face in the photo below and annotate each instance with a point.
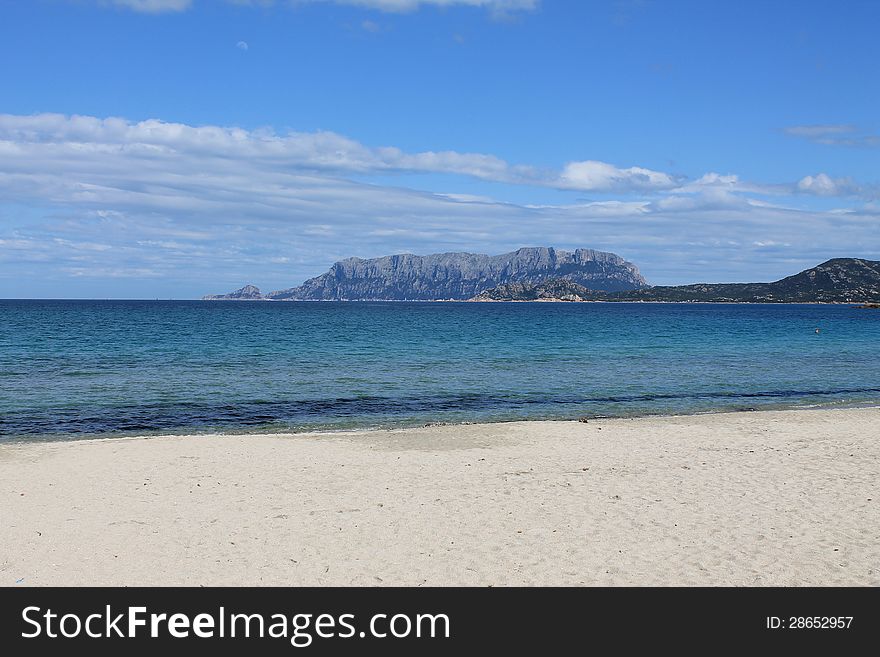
(463, 275)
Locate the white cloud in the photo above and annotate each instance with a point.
(824, 185)
(591, 175)
(80, 142)
(720, 180)
(820, 184)
(242, 45)
(62, 137)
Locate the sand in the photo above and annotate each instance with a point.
(761, 498)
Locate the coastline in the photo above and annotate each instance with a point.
(737, 498)
(566, 301)
(854, 304)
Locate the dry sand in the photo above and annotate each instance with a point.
(782, 498)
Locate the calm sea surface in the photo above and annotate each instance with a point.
(74, 368)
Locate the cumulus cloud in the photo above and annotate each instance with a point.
(733, 187)
(718, 179)
(591, 175)
(824, 185)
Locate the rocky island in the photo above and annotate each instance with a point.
(454, 276)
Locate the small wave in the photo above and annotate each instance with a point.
(376, 411)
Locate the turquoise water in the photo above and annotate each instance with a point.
(74, 368)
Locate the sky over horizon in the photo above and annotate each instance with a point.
(173, 148)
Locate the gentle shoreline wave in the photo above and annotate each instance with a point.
(263, 425)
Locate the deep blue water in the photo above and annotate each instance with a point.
(124, 367)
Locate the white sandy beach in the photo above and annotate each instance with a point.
(761, 498)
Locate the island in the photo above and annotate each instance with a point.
(453, 276)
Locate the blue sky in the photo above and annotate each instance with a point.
(166, 148)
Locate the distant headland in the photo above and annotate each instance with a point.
(548, 274)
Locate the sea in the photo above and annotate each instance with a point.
(75, 369)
